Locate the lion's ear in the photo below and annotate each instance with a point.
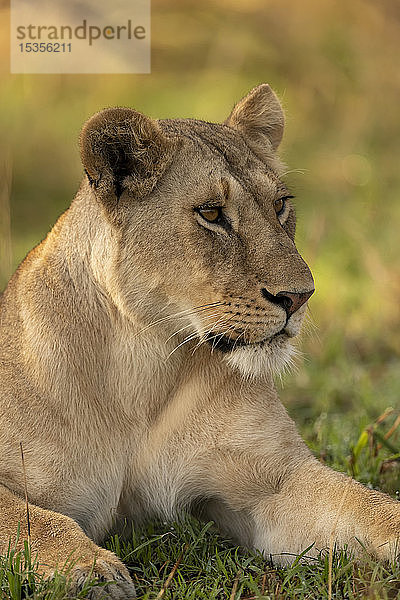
(121, 150)
(259, 116)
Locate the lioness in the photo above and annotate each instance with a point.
(138, 344)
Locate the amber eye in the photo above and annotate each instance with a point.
(211, 214)
(279, 206)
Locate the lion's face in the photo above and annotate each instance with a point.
(213, 241)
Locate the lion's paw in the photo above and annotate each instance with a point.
(388, 550)
(113, 578)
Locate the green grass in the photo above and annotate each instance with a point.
(210, 567)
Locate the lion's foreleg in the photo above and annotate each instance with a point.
(320, 507)
(283, 508)
(58, 543)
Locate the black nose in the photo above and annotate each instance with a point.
(290, 301)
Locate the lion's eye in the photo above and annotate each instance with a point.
(211, 214)
(279, 206)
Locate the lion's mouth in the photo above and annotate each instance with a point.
(226, 344)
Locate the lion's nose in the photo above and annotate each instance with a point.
(290, 301)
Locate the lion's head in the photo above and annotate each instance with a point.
(205, 226)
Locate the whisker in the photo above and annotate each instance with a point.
(178, 331)
(301, 171)
(194, 335)
(187, 339)
(186, 312)
(205, 337)
(220, 336)
(239, 336)
(185, 327)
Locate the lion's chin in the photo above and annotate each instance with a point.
(261, 360)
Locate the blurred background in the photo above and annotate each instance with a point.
(335, 65)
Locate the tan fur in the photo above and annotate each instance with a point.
(137, 349)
